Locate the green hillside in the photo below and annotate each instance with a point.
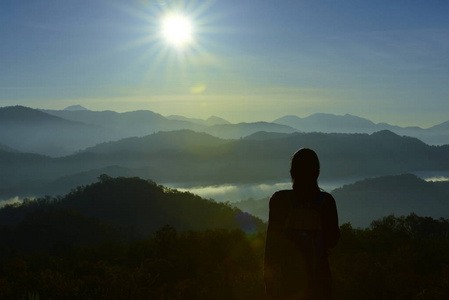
(129, 206)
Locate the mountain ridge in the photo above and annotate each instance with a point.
(330, 123)
(75, 107)
(212, 120)
(31, 130)
(64, 132)
(198, 158)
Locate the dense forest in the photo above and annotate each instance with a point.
(127, 238)
(397, 258)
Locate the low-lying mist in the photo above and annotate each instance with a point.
(238, 192)
(234, 193)
(435, 176)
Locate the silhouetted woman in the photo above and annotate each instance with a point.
(302, 226)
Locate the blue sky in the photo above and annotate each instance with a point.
(252, 60)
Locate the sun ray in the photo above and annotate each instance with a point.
(176, 57)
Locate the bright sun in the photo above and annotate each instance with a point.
(177, 30)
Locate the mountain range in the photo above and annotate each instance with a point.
(50, 152)
(329, 123)
(64, 132)
(188, 157)
(30, 130)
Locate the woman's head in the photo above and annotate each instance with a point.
(305, 166)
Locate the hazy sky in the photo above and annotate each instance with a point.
(249, 60)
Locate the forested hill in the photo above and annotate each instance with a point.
(121, 206)
(369, 199)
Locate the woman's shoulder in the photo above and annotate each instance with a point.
(328, 199)
(282, 194)
(281, 197)
(326, 195)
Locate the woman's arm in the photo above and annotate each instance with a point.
(331, 228)
(273, 245)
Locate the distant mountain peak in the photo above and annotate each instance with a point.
(25, 114)
(212, 120)
(384, 133)
(75, 108)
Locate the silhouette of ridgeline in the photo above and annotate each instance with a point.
(114, 209)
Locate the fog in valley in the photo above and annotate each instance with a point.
(238, 192)
(235, 193)
(254, 198)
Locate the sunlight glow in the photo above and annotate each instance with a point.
(176, 51)
(177, 30)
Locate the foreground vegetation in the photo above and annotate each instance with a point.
(50, 250)
(397, 258)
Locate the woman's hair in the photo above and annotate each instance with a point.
(305, 168)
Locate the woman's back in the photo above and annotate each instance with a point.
(303, 225)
